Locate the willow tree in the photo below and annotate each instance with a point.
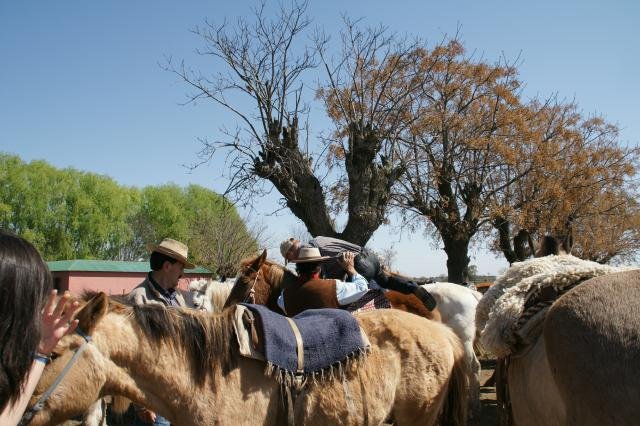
(264, 79)
(65, 213)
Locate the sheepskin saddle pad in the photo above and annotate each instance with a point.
(329, 339)
(499, 314)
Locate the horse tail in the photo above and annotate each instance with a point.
(454, 410)
(119, 404)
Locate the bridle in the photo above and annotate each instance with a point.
(39, 405)
(250, 296)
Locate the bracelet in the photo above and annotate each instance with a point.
(43, 358)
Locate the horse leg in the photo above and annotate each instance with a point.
(95, 415)
(474, 379)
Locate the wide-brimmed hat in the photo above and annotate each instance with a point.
(309, 254)
(174, 249)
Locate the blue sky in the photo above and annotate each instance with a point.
(81, 85)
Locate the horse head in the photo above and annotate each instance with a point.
(250, 286)
(555, 245)
(199, 297)
(260, 281)
(81, 383)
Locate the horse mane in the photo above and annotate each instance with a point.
(206, 339)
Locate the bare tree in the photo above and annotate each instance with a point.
(265, 64)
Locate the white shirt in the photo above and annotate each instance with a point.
(346, 291)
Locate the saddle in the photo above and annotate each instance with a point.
(538, 300)
(296, 349)
(304, 342)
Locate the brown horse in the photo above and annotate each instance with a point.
(583, 365)
(185, 366)
(261, 281)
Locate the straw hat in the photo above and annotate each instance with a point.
(174, 249)
(309, 254)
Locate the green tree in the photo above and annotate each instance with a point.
(66, 213)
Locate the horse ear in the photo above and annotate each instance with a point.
(92, 312)
(263, 256)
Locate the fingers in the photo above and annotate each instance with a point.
(71, 327)
(51, 302)
(62, 303)
(347, 256)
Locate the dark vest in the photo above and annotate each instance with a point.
(314, 294)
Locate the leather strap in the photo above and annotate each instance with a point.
(299, 345)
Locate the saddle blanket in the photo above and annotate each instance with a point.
(329, 336)
(373, 299)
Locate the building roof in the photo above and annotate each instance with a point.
(109, 266)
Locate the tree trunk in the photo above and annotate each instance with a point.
(457, 259)
(369, 185)
(503, 227)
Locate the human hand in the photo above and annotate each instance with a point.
(146, 415)
(346, 260)
(56, 321)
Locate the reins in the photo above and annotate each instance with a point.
(251, 295)
(39, 405)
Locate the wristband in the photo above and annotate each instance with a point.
(43, 358)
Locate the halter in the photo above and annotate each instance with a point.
(39, 405)
(251, 295)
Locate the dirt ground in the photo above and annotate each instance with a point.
(488, 415)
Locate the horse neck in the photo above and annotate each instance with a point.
(275, 279)
(158, 375)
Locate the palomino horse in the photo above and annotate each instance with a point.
(456, 304)
(261, 281)
(580, 363)
(185, 365)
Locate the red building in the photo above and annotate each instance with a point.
(111, 277)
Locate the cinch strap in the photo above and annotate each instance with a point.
(299, 345)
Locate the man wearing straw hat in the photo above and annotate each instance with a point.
(168, 261)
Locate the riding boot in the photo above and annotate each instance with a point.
(405, 286)
(425, 297)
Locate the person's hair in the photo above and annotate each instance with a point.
(25, 283)
(308, 268)
(157, 259)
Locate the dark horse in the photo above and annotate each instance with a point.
(261, 281)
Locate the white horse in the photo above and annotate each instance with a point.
(457, 305)
(210, 295)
